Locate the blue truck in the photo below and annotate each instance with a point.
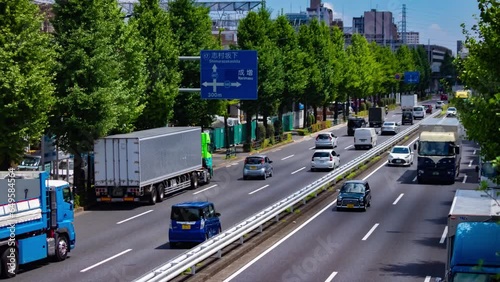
(475, 252)
(473, 236)
(36, 219)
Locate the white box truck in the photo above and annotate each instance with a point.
(147, 165)
(408, 101)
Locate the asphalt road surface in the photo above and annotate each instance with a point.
(122, 242)
(400, 238)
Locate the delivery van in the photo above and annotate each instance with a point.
(365, 138)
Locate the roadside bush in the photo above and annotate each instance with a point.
(311, 119)
(277, 127)
(362, 106)
(303, 132)
(270, 131)
(261, 132)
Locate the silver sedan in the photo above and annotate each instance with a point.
(390, 127)
(326, 140)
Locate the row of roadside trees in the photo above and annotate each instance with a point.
(103, 72)
(315, 66)
(480, 71)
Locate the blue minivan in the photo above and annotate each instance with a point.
(193, 222)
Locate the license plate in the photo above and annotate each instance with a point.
(186, 226)
(117, 192)
(362, 140)
(253, 167)
(399, 161)
(435, 173)
(322, 161)
(350, 206)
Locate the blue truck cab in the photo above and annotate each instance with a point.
(193, 222)
(475, 254)
(36, 219)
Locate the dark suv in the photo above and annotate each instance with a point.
(353, 123)
(407, 118)
(354, 194)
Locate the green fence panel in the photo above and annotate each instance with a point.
(217, 136)
(288, 122)
(244, 132)
(238, 134)
(231, 135)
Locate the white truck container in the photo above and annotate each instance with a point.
(408, 101)
(148, 165)
(470, 206)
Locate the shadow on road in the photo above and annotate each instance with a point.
(419, 269)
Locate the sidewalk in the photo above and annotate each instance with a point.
(219, 156)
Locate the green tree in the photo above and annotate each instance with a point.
(360, 73)
(27, 61)
(388, 67)
(337, 59)
(162, 59)
(294, 70)
(406, 63)
(193, 33)
(448, 70)
(93, 94)
(480, 71)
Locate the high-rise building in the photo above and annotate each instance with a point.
(460, 45)
(376, 26)
(412, 37)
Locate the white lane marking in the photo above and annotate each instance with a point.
(312, 148)
(427, 279)
(414, 179)
(330, 278)
(106, 260)
(278, 243)
(371, 173)
(198, 192)
(228, 165)
(465, 178)
(370, 232)
(474, 152)
(255, 191)
(399, 198)
(277, 150)
(287, 157)
(298, 170)
(443, 237)
(348, 147)
(470, 163)
(135, 216)
(234, 163)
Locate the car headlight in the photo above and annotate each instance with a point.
(391, 157)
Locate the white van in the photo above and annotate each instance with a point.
(365, 137)
(418, 112)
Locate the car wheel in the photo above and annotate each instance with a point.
(271, 173)
(244, 177)
(313, 169)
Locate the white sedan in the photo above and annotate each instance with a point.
(326, 140)
(325, 159)
(451, 112)
(400, 155)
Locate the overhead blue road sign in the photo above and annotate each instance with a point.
(412, 77)
(228, 74)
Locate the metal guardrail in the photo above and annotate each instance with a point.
(214, 245)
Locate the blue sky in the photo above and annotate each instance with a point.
(438, 20)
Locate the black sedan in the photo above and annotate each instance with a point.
(354, 194)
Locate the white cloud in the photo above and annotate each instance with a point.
(435, 27)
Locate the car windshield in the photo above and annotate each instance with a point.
(389, 123)
(488, 170)
(400, 150)
(452, 109)
(476, 277)
(321, 155)
(185, 214)
(353, 188)
(324, 136)
(30, 161)
(253, 161)
(427, 148)
(64, 165)
(417, 109)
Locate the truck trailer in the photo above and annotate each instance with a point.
(438, 150)
(473, 236)
(408, 101)
(376, 116)
(36, 219)
(147, 165)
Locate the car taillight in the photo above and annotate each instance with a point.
(330, 138)
(262, 161)
(317, 137)
(331, 158)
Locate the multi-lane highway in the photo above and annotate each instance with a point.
(120, 243)
(399, 238)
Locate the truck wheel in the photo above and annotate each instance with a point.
(160, 192)
(10, 266)
(62, 248)
(194, 180)
(152, 196)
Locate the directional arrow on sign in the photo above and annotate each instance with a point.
(214, 68)
(214, 84)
